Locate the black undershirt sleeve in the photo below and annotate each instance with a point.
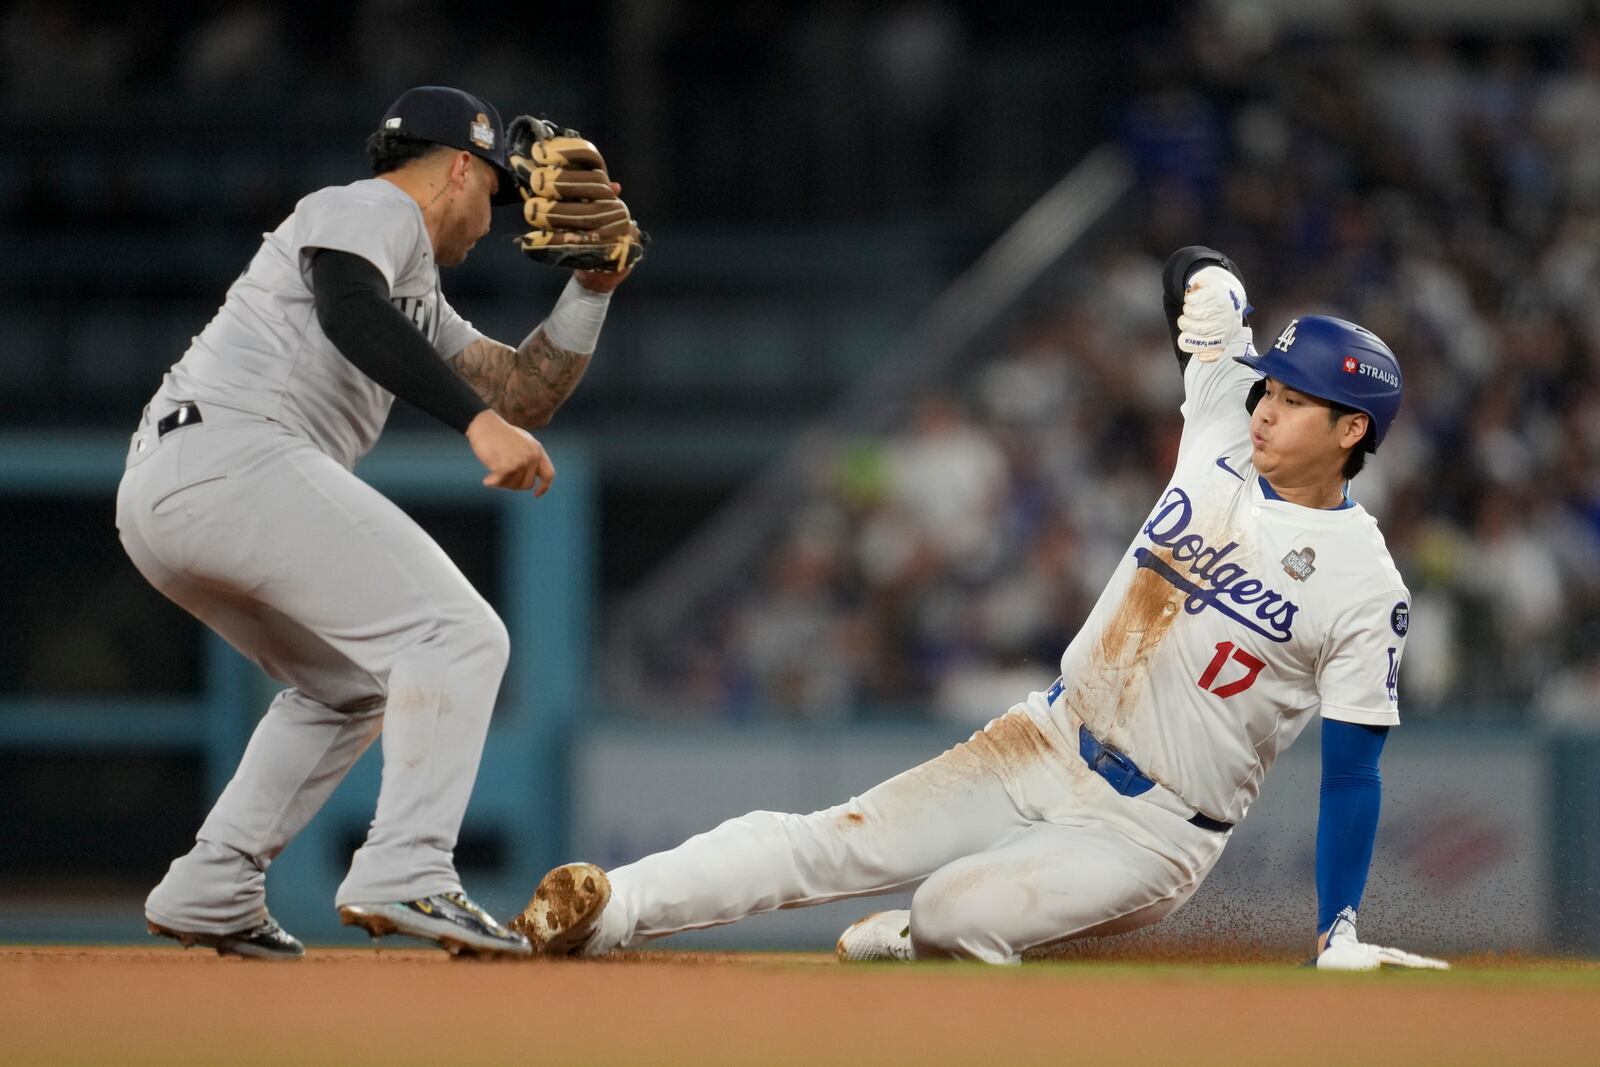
(352, 302)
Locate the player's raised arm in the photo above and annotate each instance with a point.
(1208, 313)
(528, 383)
(1176, 273)
(578, 223)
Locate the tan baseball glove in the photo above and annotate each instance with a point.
(567, 198)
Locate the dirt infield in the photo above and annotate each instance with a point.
(68, 1005)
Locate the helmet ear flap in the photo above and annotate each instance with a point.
(1257, 391)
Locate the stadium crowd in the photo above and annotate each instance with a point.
(1445, 194)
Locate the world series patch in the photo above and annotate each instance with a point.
(1298, 563)
(1400, 618)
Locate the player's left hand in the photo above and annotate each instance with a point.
(1214, 307)
(1343, 951)
(604, 281)
(577, 219)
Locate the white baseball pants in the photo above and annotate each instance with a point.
(1016, 843)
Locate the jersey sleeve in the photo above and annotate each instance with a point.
(1216, 388)
(380, 231)
(1359, 673)
(455, 332)
(1213, 407)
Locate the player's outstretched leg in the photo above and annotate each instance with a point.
(892, 836)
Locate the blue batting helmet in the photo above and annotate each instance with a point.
(1337, 361)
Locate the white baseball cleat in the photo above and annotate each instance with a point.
(883, 935)
(565, 910)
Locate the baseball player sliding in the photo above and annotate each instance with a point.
(238, 503)
(1256, 595)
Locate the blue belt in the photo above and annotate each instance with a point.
(1123, 774)
(1120, 772)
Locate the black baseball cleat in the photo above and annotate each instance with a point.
(449, 920)
(268, 941)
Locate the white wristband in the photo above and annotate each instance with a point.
(574, 323)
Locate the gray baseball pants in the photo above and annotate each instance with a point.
(332, 589)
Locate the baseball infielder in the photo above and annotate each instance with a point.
(1255, 596)
(238, 503)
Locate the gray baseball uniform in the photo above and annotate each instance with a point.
(250, 519)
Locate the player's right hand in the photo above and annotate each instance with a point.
(515, 460)
(1214, 306)
(1342, 951)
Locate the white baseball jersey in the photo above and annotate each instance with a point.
(1234, 617)
(265, 353)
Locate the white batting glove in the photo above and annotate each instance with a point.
(1345, 953)
(1214, 307)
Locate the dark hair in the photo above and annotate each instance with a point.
(1356, 458)
(388, 150)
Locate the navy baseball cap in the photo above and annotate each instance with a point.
(455, 119)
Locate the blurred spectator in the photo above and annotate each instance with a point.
(950, 478)
(1567, 118)
(1422, 95)
(1570, 699)
(1513, 577)
(790, 639)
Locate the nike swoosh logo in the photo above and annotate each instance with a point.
(1222, 461)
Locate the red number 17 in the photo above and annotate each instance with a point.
(1251, 664)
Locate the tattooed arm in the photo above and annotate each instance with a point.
(525, 384)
